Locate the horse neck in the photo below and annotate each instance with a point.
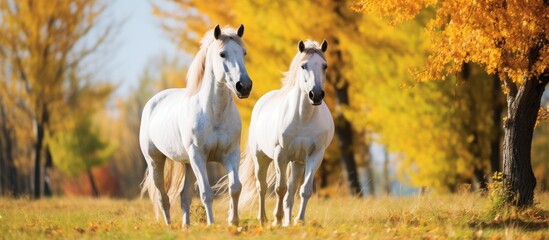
(214, 97)
(302, 109)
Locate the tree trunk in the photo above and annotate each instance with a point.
(344, 135)
(7, 166)
(9, 172)
(497, 108)
(39, 128)
(387, 178)
(367, 159)
(343, 131)
(323, 176)
(3, 171)
(370, 179)
(481, 179)
(13, 174)
(479, 172)
(40, 125)
(523, 106)
(47, 168)
(94, 191)
(472, 128)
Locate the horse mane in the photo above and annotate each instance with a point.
(196, 71)
(290, 77)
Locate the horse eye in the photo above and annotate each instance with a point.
(303, 66)
(325, 66)
(222, 55)
(245, 53)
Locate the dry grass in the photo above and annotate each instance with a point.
(431, 217)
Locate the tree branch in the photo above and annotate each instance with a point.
(534, 52)
(511, 86)
(21, 70)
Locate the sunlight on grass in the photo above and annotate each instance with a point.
(443, 216)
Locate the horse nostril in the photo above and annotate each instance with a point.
(322, 94)
(311, 95)
(239, 86)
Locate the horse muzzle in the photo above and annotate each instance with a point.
(243, 89)
(316, 98)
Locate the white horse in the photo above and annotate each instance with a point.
(197, 124)
(289, 126)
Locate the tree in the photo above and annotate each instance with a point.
(431, 127)
(11, 135)
(42, 44)
(507, 38)
(80, 148)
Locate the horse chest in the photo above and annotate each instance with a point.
(299, 148)
(216, 144)
(299, 141)
(217, 140)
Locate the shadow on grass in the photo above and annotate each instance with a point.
(531, 220)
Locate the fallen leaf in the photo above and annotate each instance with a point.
(80, 230)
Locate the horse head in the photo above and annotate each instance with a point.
(312, 74)
(228, 60)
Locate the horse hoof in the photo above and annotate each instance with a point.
(299, 222)
(233, 222)
(263, 222)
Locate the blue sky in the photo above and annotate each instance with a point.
(139, 41)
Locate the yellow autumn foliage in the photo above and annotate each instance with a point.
(498, 35)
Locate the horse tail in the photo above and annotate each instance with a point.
(247, 176)
(174, 176)
(174, 173)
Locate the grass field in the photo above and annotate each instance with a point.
(420, 217)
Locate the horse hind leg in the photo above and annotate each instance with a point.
(261, 165)
(187, 194)
(158, 161)
(281, 164)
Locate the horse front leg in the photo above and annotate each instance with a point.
(231, 162)
(311, 165)
(187, 194)
(198, 164)
(296, 172)
(281, 163)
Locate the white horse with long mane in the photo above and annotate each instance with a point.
(197, 124)
(289, 126)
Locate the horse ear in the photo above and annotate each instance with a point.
(301, 46)
(240, 30)
(217, 32)
(324, 45)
